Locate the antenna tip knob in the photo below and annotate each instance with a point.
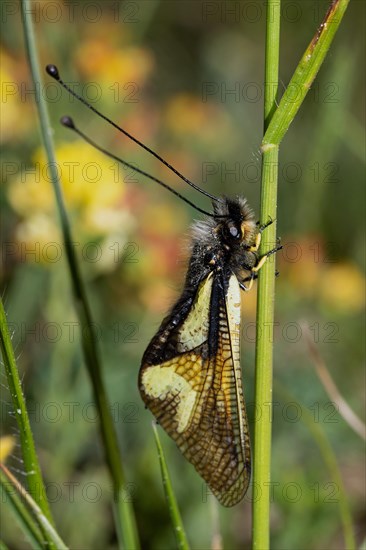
(52, 70)
(68, 122)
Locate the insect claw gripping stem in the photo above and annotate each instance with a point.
(278, 247)
(265, 225)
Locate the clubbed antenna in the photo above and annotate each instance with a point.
(52, 70)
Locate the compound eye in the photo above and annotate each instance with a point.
(233, 231)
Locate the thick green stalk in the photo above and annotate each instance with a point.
(31, 465)
(304, 75)
(265, 312)
(277, 122)
(264, 362)
(123, 511)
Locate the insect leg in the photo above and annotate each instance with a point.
(262, 260)
(265, 225)
(255, 246)
(251, 278)
(258, 238)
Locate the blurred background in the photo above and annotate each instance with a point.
(186, 78)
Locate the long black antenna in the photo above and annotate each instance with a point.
(69, 123)
(52, 70)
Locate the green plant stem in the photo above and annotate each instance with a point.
(272, 59)
(31, 465)
(304, 75)
(265, 310)
(179, 531)
(25, 520)
(123, 511)
(264, 361)
(50, 536)
(276, 124)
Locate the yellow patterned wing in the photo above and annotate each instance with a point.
(196, 395)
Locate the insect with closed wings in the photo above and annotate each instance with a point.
(190, 376)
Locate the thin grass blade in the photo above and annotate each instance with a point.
(53, 539)
(123, 510)
(175, 516)
(27, 523)
(304, 75)
(31, 465)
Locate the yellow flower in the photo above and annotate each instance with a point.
(88, 179)
(39, 239)
(340, 285)
(93, 193)
(343, 287)
(101, 61)
(187, 115)
(7, 444)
